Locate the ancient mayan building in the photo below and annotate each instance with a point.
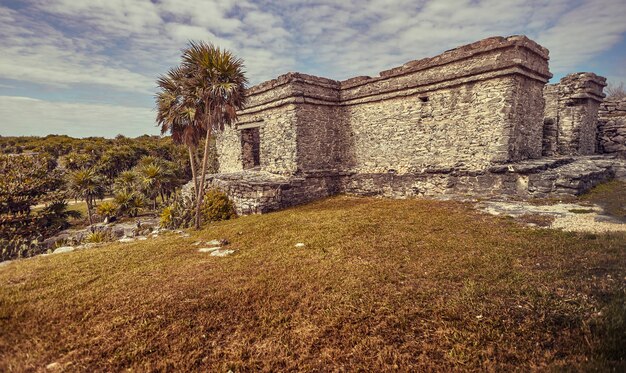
(472, 120)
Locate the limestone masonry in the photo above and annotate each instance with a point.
(472, 120)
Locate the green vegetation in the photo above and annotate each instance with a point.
(380, 285)
(135, 174)
(87, 185)
(28, 181)
(107, 209)
(217, 207)
(97, 237)
(201, 95)
(179, 213)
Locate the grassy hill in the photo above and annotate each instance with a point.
(379, 285)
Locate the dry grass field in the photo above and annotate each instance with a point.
(380, 285)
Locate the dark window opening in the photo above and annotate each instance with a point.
(251, 148)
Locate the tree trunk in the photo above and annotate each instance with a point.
(89, 211)
(193, 170)
(200, 191)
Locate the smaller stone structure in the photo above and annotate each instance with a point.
(612, 126)
(570, 117)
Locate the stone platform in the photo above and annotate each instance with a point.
(255, 192)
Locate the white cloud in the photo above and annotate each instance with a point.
(121, 46)
(28, 116)
(584, 32)
(38, 53)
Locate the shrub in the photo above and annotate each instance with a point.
(216, 206)
(28, 181)
(179, 213)
(98, 237)
(166, 216)
(107, 209)
(129, 203)
(19, 248)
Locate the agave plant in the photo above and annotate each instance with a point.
(107, 209)
(129, 202)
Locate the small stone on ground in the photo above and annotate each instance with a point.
(208, 249)
(222, 252)
(300, 244)
(53, 366)
(64, 249)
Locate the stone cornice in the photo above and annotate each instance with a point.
(484, 59)
(313, 99)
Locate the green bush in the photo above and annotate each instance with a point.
(19, 248)
(179, 213)
(98, 237)
(167, 216)
(107, 209)
(216, 206)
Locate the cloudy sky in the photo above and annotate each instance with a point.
(88, 67)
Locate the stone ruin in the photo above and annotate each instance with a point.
(476, 120)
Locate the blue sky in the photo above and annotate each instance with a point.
(88, 68)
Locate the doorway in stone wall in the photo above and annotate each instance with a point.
(251, 148)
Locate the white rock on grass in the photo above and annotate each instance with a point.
(142, 238)
(63, 249)
(208, 249)
(214, 243)
(53, 366)
(222, 252)
(126, 239)
(300, 245)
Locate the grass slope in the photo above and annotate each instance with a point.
(381, 284)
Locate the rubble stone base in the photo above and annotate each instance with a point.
(256, 192)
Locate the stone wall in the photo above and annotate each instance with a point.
(277, 136)
(571, 115)
(612, 126)
(464, 109)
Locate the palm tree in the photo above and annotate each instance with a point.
(153, 176)
(126, 181)
(219, 82)
(176, 114)
(86, 184)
